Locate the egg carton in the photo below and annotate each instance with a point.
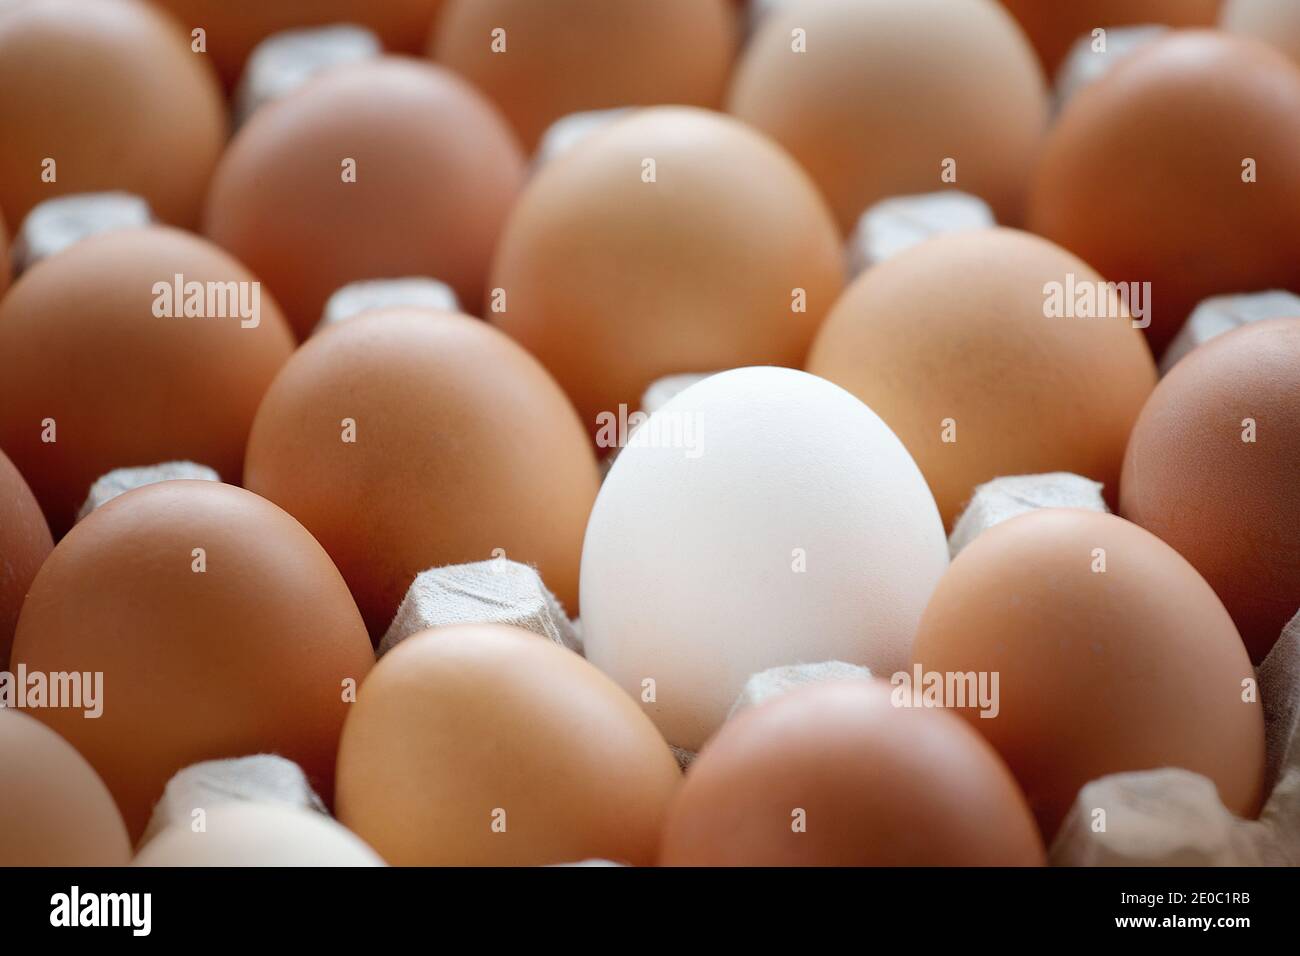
(121, 480)
(1223, 313)
(898, 223)
(57, 223)
(420, 292)
(1083, 65)
(567, 131)
(285, 61)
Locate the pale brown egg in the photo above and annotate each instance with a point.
(54, 809)
(233, 27)
(25, 543)
(219, 625)
(1213, 468)
(104, 95)
(565, 56)
(878, 98)
(675, 240)
(837, 775)
(387, 168)
(101, 368)
(408, 439)
(1178, 168)
(952, 345)
(1053, 27)
(488, 745)
(1110, 654)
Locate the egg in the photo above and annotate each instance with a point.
(1053, 28)
(877, 98)
(836, 775)
(485, 744)
(1178, 169)
(101, 367)
(98, 95)
(387, 168)
(673, 240)
(956, 345)
(763, 517)
(1110, 653)
(257, 834)
(408, 439)
(1213, 469)
(1276, 22)
(25, 543)
(539, 62)
(233, 27)
(54, 809)
(220, 629)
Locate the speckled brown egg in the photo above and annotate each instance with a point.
(408, 439)
(1213, 468)
(219, 625)
(24, 545)
(100, 367)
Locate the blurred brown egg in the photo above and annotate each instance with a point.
(565, 56)
(25, 543)
(387, 168)
(1110, 653)
(104, 95)
(100, 368)
(878, 98)
(836, 775)
(675, 240)
(949, 342)
(1054, 26)
(1276, 22)
(54, 810)
(234, 27)
(408, 439)
(1213, 469)
(1179, 168)
(488, 745)
(220, 627)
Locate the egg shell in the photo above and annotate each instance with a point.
(954, 330)
(233, 28)
(885, 93)
(1054, 27)
(486, 744)
(54, 809)
(615, 282)
(80, 344)
(248, 655)
(257, 834)
(464, 450)
(112, 92)
(1276, 22)
(1144, 175)
(797, 529)
(1230, 506)
(25, 543)
(436, 170)
(1133, 667)
(567, 56)
(837, 775)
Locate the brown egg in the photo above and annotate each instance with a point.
(1213, 468)
(836, 775)
(113, 96)
(488, 745)
(565, 56)
(891, 98)
(25, 543)
(675, 240)
(220, 627)
(93, 378)
(234, 27)
(1110, 652)
(1145, 175)
(949, 343)
(54, 809)
(1053, 27)
(408, 439)
(382, 169)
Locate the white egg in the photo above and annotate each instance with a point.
(763, 516)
